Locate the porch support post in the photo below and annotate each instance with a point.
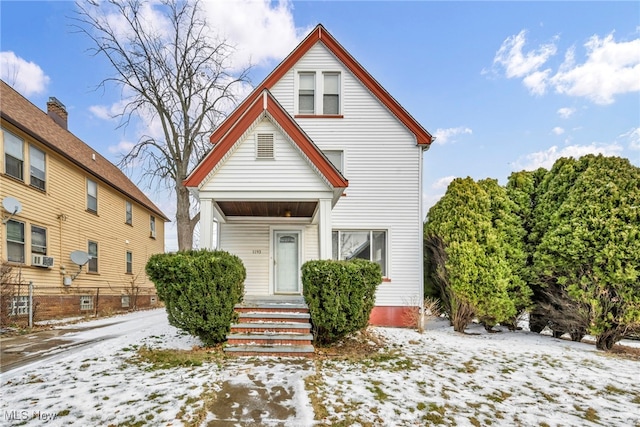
(324, 228)
(206, 224)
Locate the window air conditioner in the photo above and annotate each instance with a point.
(41, 261)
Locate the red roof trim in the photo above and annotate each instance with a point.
(320, 34)
(253, 110)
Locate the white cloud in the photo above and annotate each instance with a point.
(261, 30)
(518, 64)
(546, 159)
(122, 148)
(444, 136)
(443, 182)
(633, 136)
(609, 69)
(566, 112)
(24, 76)
(557, 130)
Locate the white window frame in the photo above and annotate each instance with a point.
(152, 226)
(32, 168)
(385, 267)
(19, 305)
(92, 266)
(6, 136)
(91, 197)
(42, 250)
(262, 151)
(299, 75)
(125, 301)
(318, 105)
(128, 212)
(86, 302)
(329, 151)
(16, 242)
(128, 262)
(339, 94)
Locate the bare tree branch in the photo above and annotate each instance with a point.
(171, 73)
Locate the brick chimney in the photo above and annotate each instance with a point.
(57, 111)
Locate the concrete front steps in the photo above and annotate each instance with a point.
(271, 326)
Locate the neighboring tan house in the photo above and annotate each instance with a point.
(72, 199)
(318, 162)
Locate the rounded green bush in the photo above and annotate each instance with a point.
(340, 296)
(199, 290)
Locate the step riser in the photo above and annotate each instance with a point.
(270, 354)
(282, 319)
(266, 329)
(269, 341)
(270, 329)
(271, 310)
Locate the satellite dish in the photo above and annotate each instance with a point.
(11, 205)
(79, 257)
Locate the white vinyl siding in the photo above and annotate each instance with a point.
(383, 171)
(243, 172)
(251, 244)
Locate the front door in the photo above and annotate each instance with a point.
(287, 262)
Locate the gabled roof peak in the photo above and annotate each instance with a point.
(258, 104)
(320, 35)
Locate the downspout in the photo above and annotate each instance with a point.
(421, 152)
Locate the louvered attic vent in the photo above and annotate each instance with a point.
(264, 146)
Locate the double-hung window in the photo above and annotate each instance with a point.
(331, 94)
(92, 196)
(336, 157)
(38, 240)
(15, 241)
(93, 257)
(13, 155)
(327, 85)
(128, 215)
(306, 93)
(152, 226)
(129, 260)
(366, 244)
(37, 167)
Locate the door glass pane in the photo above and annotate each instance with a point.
(287, 263)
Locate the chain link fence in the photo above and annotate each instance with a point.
(23, 304)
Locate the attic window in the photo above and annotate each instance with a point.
(264, 146)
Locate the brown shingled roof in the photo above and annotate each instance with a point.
(20, 112)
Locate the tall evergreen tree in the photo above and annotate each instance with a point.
(591, 247)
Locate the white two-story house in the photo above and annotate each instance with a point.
(318, 162)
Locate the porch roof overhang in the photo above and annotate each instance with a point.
(271, 209)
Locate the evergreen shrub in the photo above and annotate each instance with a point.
(199, 289)
(340, 295)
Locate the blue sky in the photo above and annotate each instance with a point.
(504, 86)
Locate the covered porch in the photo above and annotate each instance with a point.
(272, 237)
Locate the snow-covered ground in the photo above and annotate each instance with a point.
(438, 377)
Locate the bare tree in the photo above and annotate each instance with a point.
(178, 75)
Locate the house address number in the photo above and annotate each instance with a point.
(257, 251)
